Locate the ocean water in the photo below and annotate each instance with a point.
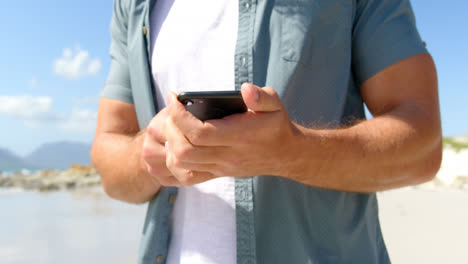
(68, 227)
(24, 171)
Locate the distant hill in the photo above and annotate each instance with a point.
(60, 155)
(8, 160)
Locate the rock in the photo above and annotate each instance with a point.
(47, 187)
(460, 182)
(5, 181)
(75, 177)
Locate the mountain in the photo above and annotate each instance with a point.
(8, 160)
(57, 155)
(60, 155)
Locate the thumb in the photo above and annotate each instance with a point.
(260, 99)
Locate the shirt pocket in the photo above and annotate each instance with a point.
(312, 26)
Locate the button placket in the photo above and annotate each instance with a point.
(243, 61)
(172, 198)
(244, 186)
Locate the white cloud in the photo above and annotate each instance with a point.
(80, 120)
(33, 83)
(67, 53)
(75, 65)
(85, 100)
(35, 111)
(94, 66)
(26, 107)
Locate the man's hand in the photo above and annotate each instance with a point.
(400, 146)
(253, 143)
(153, 151)
(117, 153)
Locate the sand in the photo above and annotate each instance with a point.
(425, 226)
(419, 226)
(68, 227)
(454, 164)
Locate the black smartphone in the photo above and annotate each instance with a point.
(213, 104)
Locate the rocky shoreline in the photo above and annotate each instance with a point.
(453, 174)
(76, 177)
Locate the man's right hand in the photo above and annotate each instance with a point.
(117, 152)
(153, 151)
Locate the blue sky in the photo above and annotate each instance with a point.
(54, 61)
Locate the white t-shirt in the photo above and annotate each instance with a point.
(193, 47)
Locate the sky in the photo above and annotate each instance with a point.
(54, 61)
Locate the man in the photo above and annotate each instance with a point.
(303, 164)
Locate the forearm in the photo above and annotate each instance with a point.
(118, 160)
(399, 148)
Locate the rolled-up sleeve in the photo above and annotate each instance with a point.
(118, 85)
(384, 32)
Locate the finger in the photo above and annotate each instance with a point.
(184, 151)
(169, 181)
(155, 133)
(214, 169)
(184, 176)
(196, 132)
(178, 145)
(235, 128)
(161, 173)
(175, 160)
(187, 152)
(154, 158)
(155, 128)
(158, 170)
(189, 177)
(231, 130)
(178, 114)
(153, 151)
(260, 99)
(200, 133)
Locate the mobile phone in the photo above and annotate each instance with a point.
(208, 105)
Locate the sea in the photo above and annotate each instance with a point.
(68, 227)
(24, 171)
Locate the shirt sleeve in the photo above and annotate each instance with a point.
(118, 84)
(384, 32)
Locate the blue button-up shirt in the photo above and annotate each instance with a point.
(315, 54)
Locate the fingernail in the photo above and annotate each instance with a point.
(253, 88)
(166, 146)
(255, 91)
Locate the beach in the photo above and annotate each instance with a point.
(68, 227)
(425, 226)
(65, 217)
(419, 226)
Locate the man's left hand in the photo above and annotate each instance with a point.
(260, 141)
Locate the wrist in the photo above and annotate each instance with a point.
(292, 158)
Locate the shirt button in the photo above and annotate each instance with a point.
(247, 5)
(159, 258)
(243, 61)
(172, 198)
